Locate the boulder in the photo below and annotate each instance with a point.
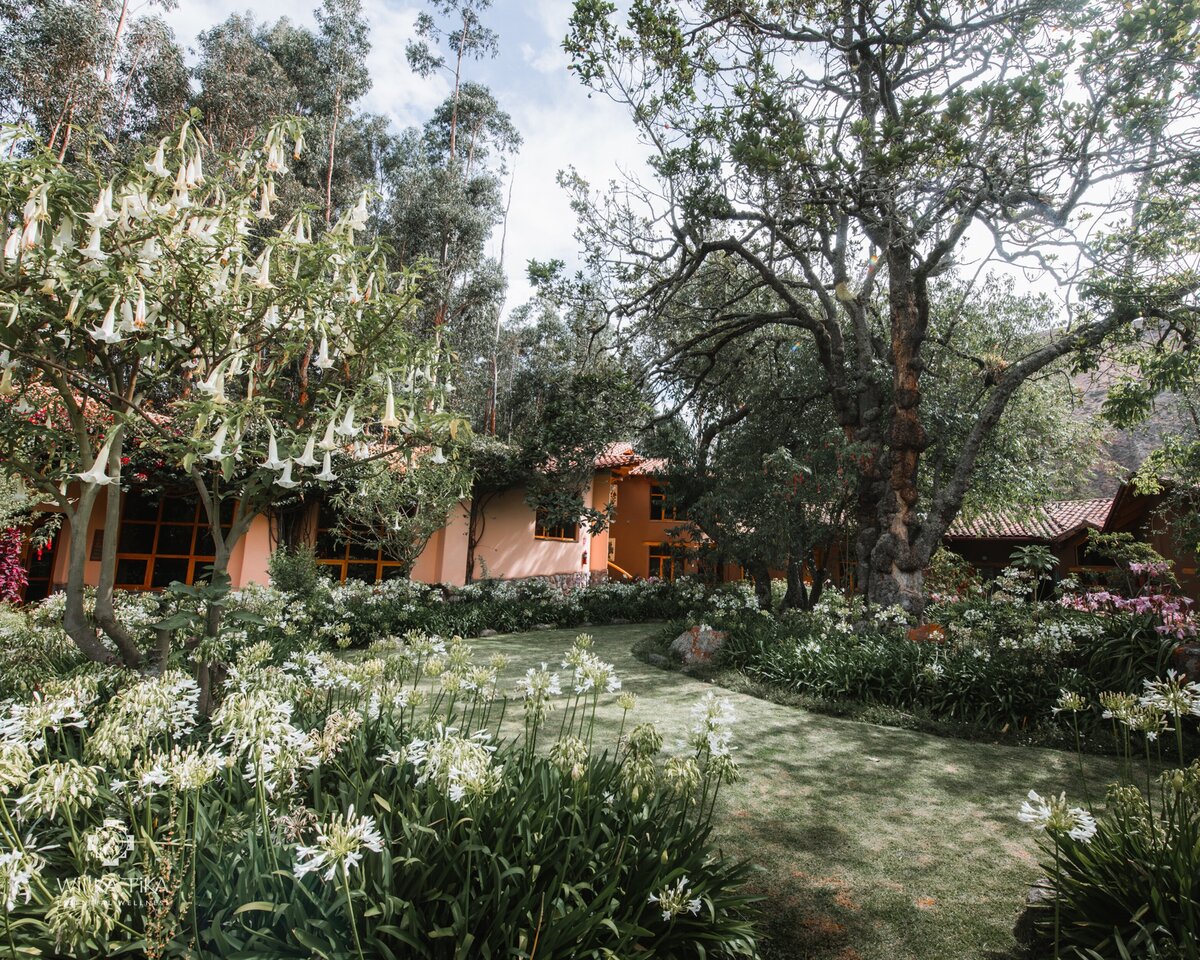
(489, 632)
(1186, 659)
(545, 626)
(1039, 899)
(697, 644)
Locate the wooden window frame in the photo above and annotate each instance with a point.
(667, 512)
(666, 558)
(556, 533)
(342, 563)
(197, 523)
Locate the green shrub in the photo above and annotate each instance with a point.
(397, 805)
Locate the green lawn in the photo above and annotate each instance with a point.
(869, 842)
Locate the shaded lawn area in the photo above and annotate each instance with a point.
(869, 842)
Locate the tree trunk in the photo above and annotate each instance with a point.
(106, 615)
(795, 597)
(894, 559)
(75, 620)
(762, 584)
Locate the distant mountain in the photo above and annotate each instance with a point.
(1121, 452)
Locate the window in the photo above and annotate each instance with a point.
(164, 539)
(662, 561)
(659, 508)
(544, 530)
(350, 561)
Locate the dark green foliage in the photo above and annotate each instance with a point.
(371, 611)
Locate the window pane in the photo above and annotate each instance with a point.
(169, 570)
(359, 552)
(173, 538)
(392, 573)
(227, 509)
(328, 548)
(131, 573)
(204, 542)
(361, 571)
(179, 510)
(331, 570)
(136, 538)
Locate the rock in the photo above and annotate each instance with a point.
(1186, 660)
(658, 660)
(697, 645)
(545, 626)
(620, 622)
(489, 632)
(1039, 899)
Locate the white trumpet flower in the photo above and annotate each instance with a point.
(327, 441)
(285, 479)
(326, 475)
(272, 461)
(92, 251)
(103, 212)
(217, 453)
(98, 474)
(347, 427)
(389, 412)
(306, 459)
(263, 279)
(107, 331)
(323, 361)
(438, 458)
(158, 166)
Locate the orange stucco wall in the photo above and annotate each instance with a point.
(509, 550)
(632, 531)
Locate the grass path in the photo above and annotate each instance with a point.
(870, 843)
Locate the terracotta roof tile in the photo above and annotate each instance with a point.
(617, 455)
(1051, 521)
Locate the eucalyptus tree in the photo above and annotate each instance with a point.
(104, 68)
(848, 154)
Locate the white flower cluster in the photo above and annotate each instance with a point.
(462, 768)
(63, 705)
(151, 708)
(1055, 816)
(677, 899)
(713, 719)
(536, 689)
(1176, 695)
(590, 673)
(340, 844)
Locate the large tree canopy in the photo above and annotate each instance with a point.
(843, 157)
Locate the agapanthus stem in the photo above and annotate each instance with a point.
(350, 910)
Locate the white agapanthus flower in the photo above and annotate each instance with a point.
(1055, 816)
(151, 710)
(674, 900)
(63, 785)
(87, 907)
(1175, 695)
(711, 730)
(461, 767)
(340, 845)
(18, 869)
(536, 689)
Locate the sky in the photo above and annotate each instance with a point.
(560, 125)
